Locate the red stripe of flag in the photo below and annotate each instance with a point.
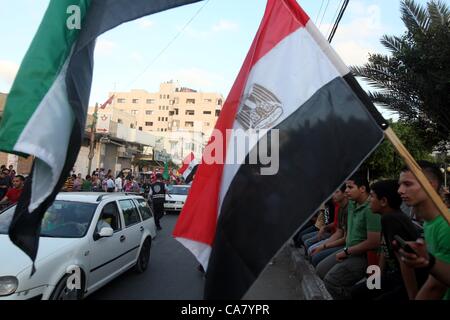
(109, 101)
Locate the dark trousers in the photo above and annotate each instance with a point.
(158, 206)
(302, 232)
(392, 288)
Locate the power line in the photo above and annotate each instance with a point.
(336, 24)
(335, 15)
(320, 10)
(326, 7)
(169, 43)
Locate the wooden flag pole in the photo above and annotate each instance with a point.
(417, 171)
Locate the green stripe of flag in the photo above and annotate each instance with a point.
(40, 67)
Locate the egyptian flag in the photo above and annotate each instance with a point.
(45, 112)
(190, 172)
(189, 168)
(237, 217)
(186, 162)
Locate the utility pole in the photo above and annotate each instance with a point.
(92, 140)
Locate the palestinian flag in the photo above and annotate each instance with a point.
(165, 174)
(45, 113)
(293, 84)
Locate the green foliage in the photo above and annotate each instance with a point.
(414, 80)
(386, 163)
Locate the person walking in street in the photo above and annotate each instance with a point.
(158, 195)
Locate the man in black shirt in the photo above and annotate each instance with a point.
(5, 183)
(385, 200)
(158, 194)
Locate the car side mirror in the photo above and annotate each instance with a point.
(105, 232)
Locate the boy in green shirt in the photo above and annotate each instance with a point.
(436, 229)
(343, 270)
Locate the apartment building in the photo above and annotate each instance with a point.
(21, 165)
(172, 108)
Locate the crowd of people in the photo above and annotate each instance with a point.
(11, 186)
(391, 224)
(153, 188)
(105, 181)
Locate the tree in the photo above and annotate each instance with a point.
(415, 79)
(386, 163)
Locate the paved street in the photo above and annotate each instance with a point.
(172, 273)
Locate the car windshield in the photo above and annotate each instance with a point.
(184, 190)
(64, 219)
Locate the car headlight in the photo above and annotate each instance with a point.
(8, 285)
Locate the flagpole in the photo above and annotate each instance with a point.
(92, 139)
(417, 172)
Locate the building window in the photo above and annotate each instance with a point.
(119, 121)
(131, 126)
(190, 101)
(150, 101)
(120, 100)
(148, 124)
(140, 128)
(190, 112)
(160, 96)
(148, 112)
(176, 111)
(206, 112)
(134, 112)
(207, 124)
(171, 113)
(135, 101)
(166, 119)
(189, 124)
(219, 102)
(217, 113)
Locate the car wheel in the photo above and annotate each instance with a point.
(144, 256)
(62, 292)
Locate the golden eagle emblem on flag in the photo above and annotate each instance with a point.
(260, 109)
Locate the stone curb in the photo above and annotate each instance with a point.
(311, 285)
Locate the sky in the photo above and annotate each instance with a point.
(201, 45)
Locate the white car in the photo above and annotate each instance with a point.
(98, 235)
(176, 197)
